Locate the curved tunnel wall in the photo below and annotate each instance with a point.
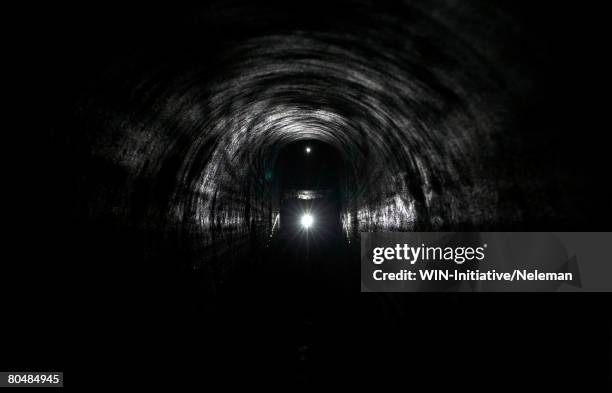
(183, 130)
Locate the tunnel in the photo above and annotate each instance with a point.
(218, 163)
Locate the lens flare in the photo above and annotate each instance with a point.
(307, 221)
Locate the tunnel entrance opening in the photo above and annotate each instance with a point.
(308, 243)
(309, 193)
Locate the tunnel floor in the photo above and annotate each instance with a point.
(299, 308)
(297, 302)
(303, 318)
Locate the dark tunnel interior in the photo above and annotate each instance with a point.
(218, 162)
(310, 174)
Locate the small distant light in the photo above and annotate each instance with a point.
(308, 150)
(307, 221)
